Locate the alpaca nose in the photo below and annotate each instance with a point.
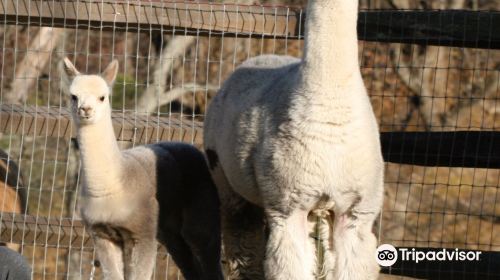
(85, 110)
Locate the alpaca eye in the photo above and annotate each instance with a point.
(102, 98)
(74, 97)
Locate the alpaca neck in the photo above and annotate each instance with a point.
(101, 157)
(331, 44)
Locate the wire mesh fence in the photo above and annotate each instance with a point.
(175, 55)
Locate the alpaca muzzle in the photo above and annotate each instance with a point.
(85, 112)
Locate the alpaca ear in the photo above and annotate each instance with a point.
(68, 71)
(109, 74)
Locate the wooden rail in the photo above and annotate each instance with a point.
(441, 28)
(42, 231)
(134, 16)
(32, 230)
(477, 149)
(454, 28)
(57, 122)
(66, 233)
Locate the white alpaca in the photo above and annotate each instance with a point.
(130, 198)
(285, 137)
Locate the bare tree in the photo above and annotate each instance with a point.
(156, 94)
(449, 84)
(436, 74)
(33, 63)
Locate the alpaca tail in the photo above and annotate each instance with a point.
(322, 220)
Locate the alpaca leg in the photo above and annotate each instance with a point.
(201, 231)
(243, 236)
(206, 253)
(355, 244)
(243, 232)
(139, 258)
(181, 254)
(289, 252)
(110, 258)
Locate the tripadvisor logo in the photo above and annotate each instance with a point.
(387, 255)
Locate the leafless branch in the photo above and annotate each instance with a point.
(32, 65)
(164, 98)
(154, 94)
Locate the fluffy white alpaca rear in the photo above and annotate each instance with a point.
(131, 198)
(285, 137)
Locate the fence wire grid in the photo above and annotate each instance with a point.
(171, 67)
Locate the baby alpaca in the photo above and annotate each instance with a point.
(285, 137)
(132, 198)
